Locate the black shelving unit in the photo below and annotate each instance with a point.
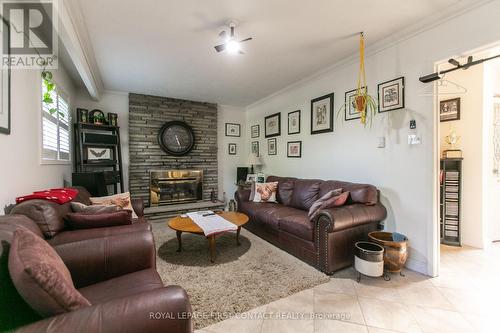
(451, 201)
(99, 136)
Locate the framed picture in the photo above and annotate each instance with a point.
(272, 126)
(233, 129)
(350, 104)
(261, 178)
(82, 115)
(5, 121)
(294, 122)
(322, 114)
(255, 148)
(449, 109)
(112, 119)
(271, 146)
(294, 149)
(232, 149)
(255, 131)
(391, 95)
(95, 154)
(251, 177)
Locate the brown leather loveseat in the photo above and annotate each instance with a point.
(327, 242)
(114, 268)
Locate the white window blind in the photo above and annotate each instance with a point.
(55, 127)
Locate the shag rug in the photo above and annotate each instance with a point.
(242, 277)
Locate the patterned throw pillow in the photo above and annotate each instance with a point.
(78, 207)
(121, 200)
(336, 201)
(318, 204)
(265, 192)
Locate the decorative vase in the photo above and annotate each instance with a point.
(395, 246)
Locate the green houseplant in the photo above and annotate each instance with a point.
(363, 103)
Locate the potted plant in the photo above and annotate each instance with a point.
(99, 119)
(363, 103)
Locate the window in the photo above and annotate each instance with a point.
(55, 127)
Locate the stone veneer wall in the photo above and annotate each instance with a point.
(146, 116)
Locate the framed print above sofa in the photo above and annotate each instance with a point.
(322, 114)
(391, 95)
(294, 122)
(294, 149)
(272, 125)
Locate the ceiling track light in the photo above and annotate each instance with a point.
(470, 62)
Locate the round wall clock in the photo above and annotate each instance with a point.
(176, 138)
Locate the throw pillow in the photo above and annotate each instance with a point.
(336, 201)
(317, 205)
(121, 200)
(265, 192)
(40, 276)
(78, 207)
(86, 221)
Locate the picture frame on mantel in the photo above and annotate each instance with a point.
(5, 117)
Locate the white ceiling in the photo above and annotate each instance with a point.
(166, 47)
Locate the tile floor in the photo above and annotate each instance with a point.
(464, 298)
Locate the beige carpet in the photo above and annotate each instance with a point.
(242, 277)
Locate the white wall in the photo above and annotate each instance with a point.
(116, 102)
(21, 169)
(404, 174)
(229, 163)
(470, 129)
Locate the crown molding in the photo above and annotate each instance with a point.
(75, 38)
(422, 26)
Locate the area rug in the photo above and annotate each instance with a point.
(242, 277)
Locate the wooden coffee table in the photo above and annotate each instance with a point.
(185, 224)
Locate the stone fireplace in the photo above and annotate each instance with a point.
(175, 186)
(147, 114)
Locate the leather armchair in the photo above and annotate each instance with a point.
(136, 313)
(115, 272)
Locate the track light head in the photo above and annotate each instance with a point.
(430, 78)
(454, 62)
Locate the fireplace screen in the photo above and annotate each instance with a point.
(175, 186)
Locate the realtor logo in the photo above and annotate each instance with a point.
(29, 38)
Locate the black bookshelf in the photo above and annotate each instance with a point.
(451, 201)
(99, 136)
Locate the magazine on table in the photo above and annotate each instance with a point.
(211, 223)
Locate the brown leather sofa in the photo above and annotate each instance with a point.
(113, 267)
(326, 243)
(50, 216)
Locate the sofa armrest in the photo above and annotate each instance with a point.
(160, 310)
(349, 216)
(138, 206)
(98, 259)
(242, 195)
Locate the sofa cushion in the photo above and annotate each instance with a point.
(87, 221)
(359, 193)
(297, 224)
(41, 277)
(49, 216)
(272, 214)
(285, 188)
(305, 193)
(122, 286)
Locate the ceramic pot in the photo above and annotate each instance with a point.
(395, 246)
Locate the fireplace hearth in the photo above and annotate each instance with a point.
(175, 186)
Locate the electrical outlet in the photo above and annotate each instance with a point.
(381, 142)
